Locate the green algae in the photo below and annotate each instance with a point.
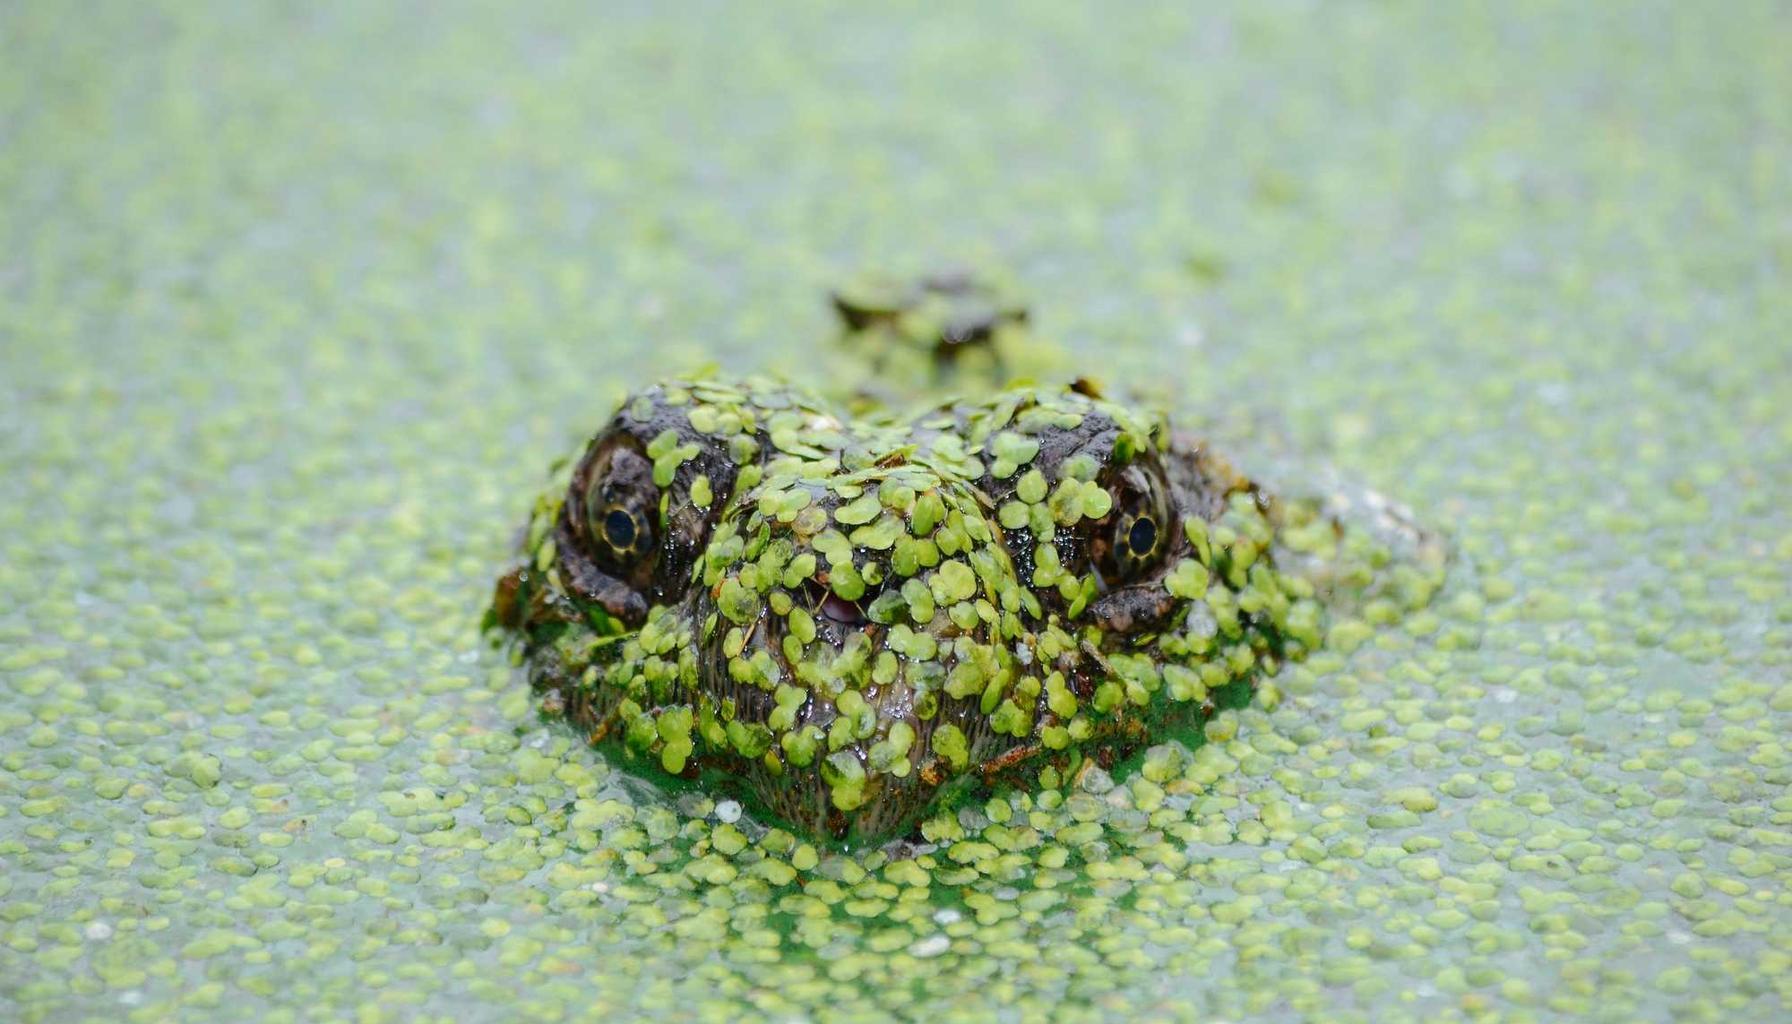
(286, 332)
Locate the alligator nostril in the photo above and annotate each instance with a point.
(843, 611)
(831, 606)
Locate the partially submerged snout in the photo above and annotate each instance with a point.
(856, 612)
(838, 618)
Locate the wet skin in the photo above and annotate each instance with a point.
(839, 618)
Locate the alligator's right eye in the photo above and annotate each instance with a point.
(625, 533)
(619, 528)
(621, 507)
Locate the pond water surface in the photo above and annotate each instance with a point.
(298, 301)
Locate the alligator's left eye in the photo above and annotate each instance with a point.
(1135, 539)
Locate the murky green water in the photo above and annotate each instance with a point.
(296, 302)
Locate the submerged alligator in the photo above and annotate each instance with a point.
(841, 616)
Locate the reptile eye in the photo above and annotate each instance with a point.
(621, 507)
(1141, 537)
(622, 528)
(619, 528)
(1136, 539)
(1133, 548)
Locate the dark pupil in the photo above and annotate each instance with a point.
(619, 529)
(1142, 537)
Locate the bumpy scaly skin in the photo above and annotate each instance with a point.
(838, 618)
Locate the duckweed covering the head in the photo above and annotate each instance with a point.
(294, 299)
(850, 631)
